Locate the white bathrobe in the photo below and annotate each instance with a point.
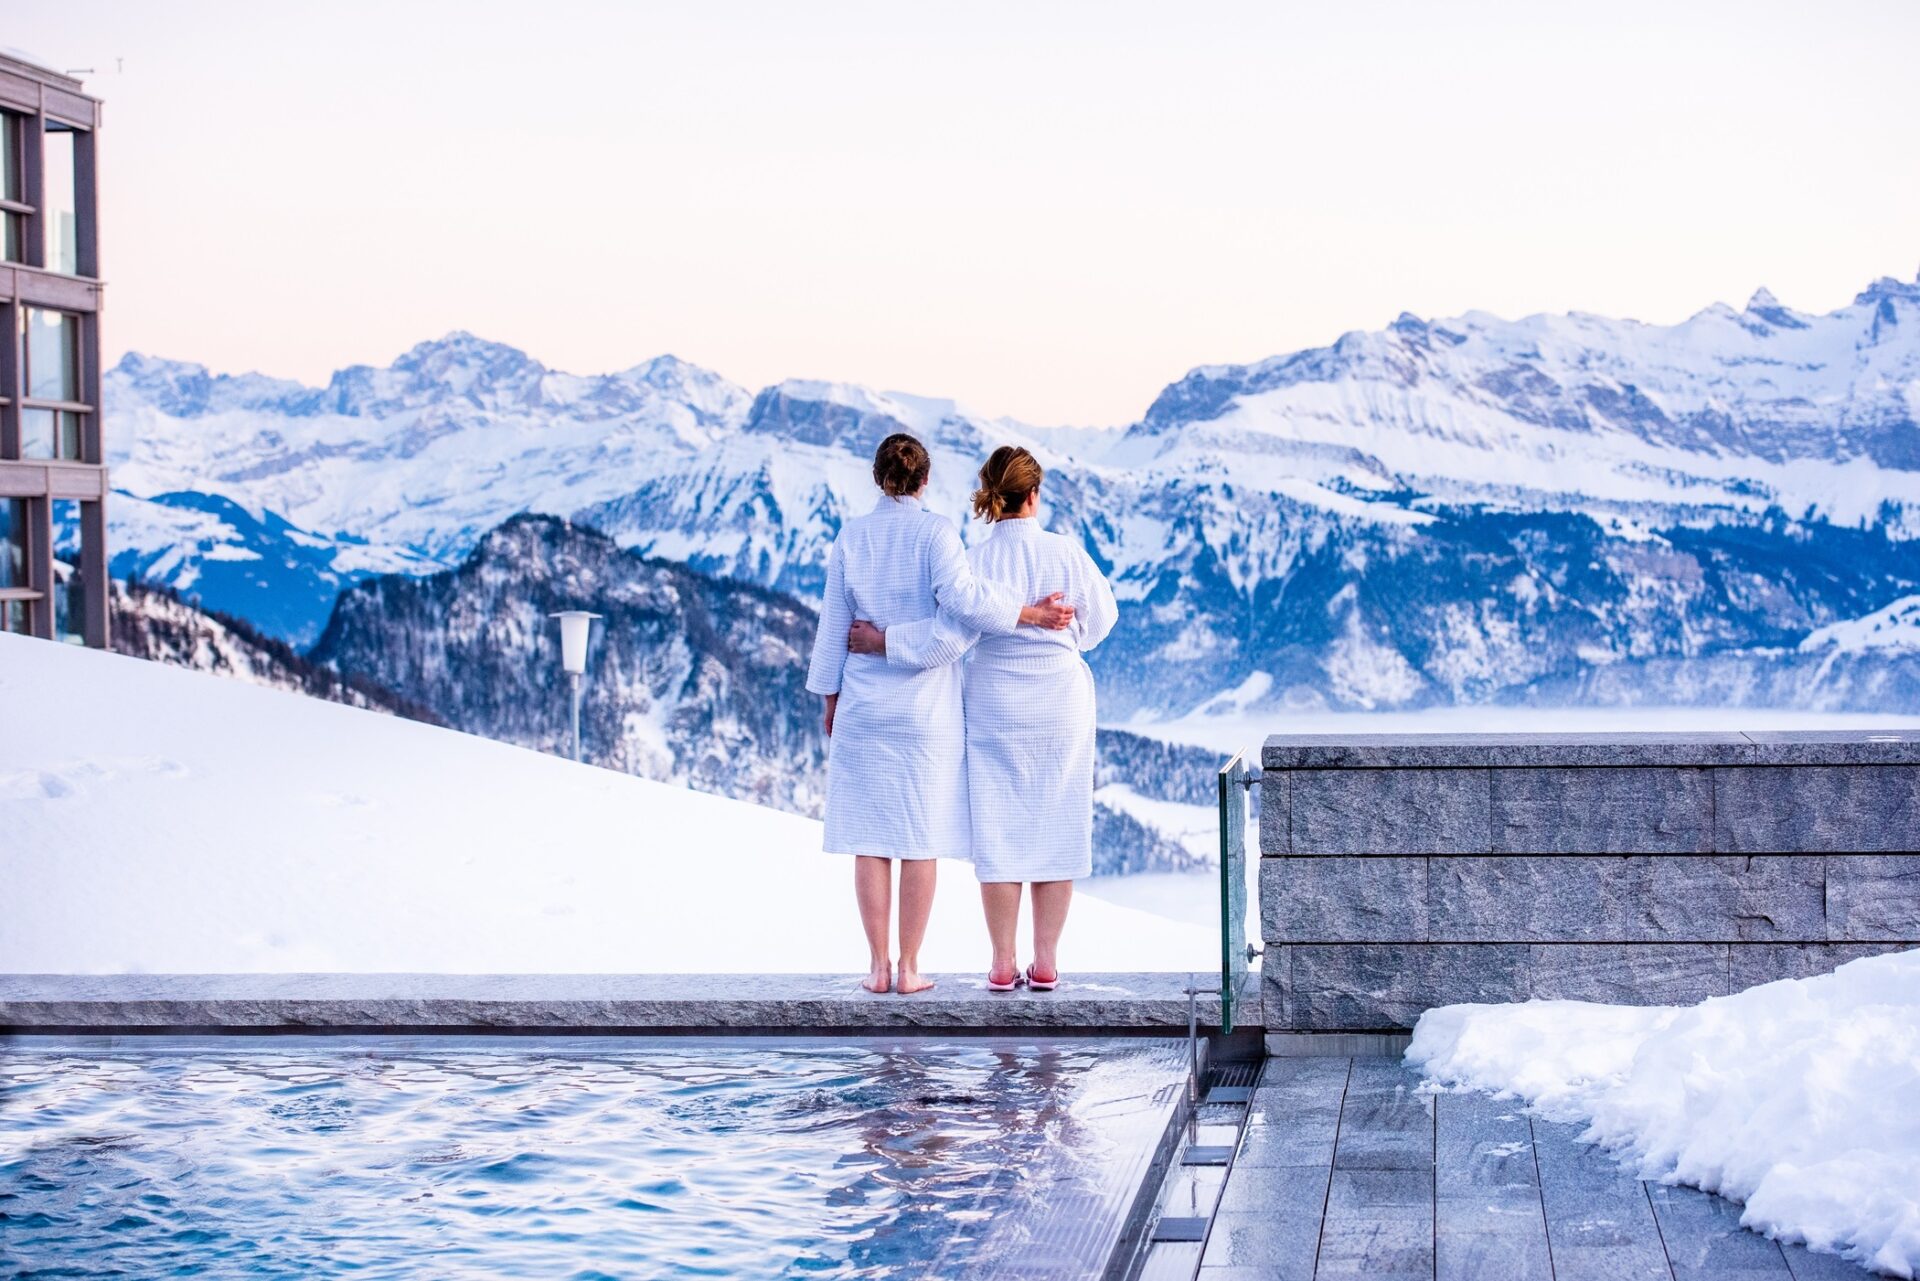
(896, 779)
(1029, 706)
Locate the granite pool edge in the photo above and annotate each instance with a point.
(669, 1004)
(1897, 744)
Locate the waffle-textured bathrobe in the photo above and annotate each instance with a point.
(896, 779)
(1029, 706)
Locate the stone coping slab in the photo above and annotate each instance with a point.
(1895, 745)
(749, 1004)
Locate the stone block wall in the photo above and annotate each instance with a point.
(1400, 872)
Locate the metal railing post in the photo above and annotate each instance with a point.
(573, 678)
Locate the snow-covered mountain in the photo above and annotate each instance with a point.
(250, 564)
(396, 470)
(1737, 411)
(1560, 507)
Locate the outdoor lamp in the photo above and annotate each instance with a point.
(575, 624)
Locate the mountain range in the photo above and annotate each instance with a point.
(1555, 509)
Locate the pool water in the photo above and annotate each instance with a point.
(590, 1157)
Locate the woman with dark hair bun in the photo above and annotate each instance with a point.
(1029, 716)
(896, 786)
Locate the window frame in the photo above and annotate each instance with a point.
(78, 137)
(27, 597)
(23, 539)
(71, 595)
(14, 210)
(80, 411)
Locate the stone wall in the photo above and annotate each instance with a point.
(1401, 872)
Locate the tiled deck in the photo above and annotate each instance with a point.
(1345, 1171)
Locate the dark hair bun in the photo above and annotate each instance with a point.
(900, 465)
(1010, 475)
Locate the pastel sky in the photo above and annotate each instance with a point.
(1049, 210)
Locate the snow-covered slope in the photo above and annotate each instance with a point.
(1895, 628)
(170, 821)
(1797, 1098)
(1555, 508)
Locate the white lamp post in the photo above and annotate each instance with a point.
(575, 624)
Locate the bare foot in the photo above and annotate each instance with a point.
(880, 980)
(911, 982)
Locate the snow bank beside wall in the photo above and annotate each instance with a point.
(1800, 1098)
(160, 820)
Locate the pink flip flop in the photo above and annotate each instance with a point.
(1039, 984)
(1018, 980)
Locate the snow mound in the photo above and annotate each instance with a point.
(167, 821)
(1896, 627)
(1799, 1098)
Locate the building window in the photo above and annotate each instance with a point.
(51, 419)
(60, 163)
(53, 355)
(69, 584)
(14, 608)
(50, 433)
(13, 542)
(13, 213)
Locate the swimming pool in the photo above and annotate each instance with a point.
(578, 1157)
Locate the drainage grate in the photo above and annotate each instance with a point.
(1180, 1230)
(1207, 1155)
(1189, 1195)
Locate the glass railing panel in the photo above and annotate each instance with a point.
(1234, 956)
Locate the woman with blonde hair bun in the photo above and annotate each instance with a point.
(1029, 712)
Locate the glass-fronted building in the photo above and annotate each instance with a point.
(53, 475)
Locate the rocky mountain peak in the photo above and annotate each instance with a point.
(177, 387)
(1887, 289)
(1765, 308)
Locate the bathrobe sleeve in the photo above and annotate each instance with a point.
(1096, 612)
(929, 642)
(987, 607)
(969, 607)
(830, 642)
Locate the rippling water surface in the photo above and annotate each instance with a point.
(591, 1158)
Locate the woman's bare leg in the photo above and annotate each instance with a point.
(1050, 902)
(1001, 899)
(917, 877)
(873, 890)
